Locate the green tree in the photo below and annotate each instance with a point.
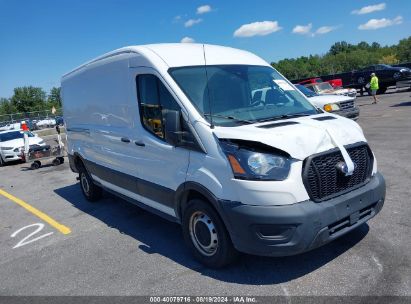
(54, 99)
(340, 47)
(5, 106)
(27, 99)
(389, 59)
(404, 50)
(375, 45)
(344, 57)
(363, 45)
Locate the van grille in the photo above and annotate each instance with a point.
(323, 181)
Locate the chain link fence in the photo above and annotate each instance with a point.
(30, 117)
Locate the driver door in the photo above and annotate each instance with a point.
(162, 166)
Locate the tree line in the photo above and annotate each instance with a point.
(29, 99)
(344, 57)
(341, 57)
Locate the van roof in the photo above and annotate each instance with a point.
(184, 54)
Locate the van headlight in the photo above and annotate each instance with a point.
(250, 164)
(6, 148)
(331, 107)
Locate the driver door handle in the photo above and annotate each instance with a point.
(140, 143)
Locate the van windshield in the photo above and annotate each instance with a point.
(234, 94)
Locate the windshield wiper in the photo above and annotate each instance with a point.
(284, 116)
(231, 118)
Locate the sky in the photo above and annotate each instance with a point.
(40, 40)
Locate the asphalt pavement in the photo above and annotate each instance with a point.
(115, 248)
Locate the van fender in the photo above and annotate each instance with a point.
(73, 159)
(182, 197)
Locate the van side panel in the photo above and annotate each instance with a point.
(99, 113)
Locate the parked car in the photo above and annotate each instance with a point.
(325, 88)
(387, 76)
(179, 134)
(10, 126)
(12, 144)
(336, 104)
(399, 76)
(46, 123)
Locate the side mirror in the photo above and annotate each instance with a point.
(174, 131)
(173, 126)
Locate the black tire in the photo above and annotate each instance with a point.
(91, 191)
(61, 159)
(361, 80)
(56, 162)
(396, 75)
(203, 228)
(35, 165)
(2, 163)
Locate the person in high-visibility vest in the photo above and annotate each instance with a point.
(374, 87)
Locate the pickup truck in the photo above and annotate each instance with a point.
(336, 83)
(358, 79)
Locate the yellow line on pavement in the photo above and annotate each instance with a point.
(63, 229)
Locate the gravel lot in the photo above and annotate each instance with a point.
(115, 248)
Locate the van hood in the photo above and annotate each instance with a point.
(305, 136)
(322, 100)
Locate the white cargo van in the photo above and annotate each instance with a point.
(174, 128)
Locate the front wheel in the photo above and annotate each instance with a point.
(361, 80)
(91, 191)
(206, 235)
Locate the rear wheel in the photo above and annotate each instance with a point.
(35, 165)
(361, 80)
(91, 191)
(206, 236)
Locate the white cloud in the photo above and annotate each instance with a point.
(303, 29)
(257, 29)
(325, 29)
(177, 19)
(191, 22)
(374, 24)
(369, 9)
(187, 40)
(203, 9)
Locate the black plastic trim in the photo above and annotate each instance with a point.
(322, 118)
(306, 167)
(301, 226)
(144, 206)
(278, 124)
(181, 198)
(155, 192)
(72, 163)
